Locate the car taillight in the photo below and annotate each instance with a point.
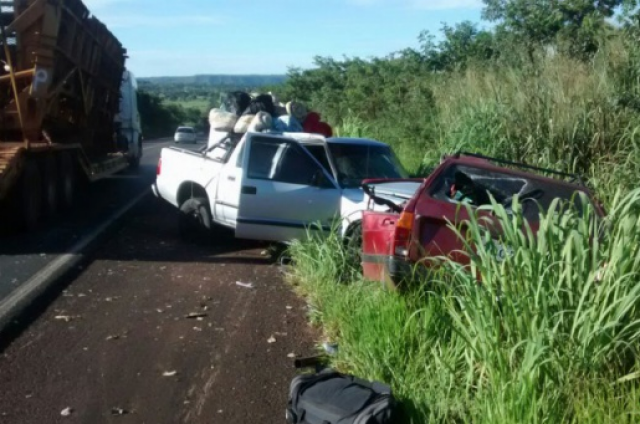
(404, 226)
(159, 167)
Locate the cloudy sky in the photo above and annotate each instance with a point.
(189, 37)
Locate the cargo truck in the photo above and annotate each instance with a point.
(68, 109)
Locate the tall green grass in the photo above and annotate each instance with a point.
(559, 112)
(550, 335)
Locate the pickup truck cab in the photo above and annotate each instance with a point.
(275, 186)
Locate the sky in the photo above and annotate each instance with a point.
(188, 37)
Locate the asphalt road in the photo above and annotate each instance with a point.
(21, 256)
(118, 345)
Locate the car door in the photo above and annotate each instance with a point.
(228, 193)
(284, 191)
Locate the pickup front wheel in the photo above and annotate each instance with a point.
(195, 218)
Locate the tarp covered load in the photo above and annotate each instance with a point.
(240, 112)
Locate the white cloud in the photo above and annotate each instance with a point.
(424, 4)
(100, 4)
(446, 4)
(131, 21)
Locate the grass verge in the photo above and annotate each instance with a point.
(551, 335)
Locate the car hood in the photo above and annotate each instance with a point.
(354, 201)
(395, 190)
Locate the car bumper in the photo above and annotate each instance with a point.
(384, 267)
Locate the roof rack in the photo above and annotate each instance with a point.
(574, 177)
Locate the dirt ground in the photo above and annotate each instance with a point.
(119, 345)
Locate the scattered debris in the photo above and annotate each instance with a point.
(280, 334)
(119, 411)
(289, 308)
(169, 373)
(194, 315)
(159, 310)
(330, 348)
(113, 337)
(291, 355)
(245, 285)
(65, 318)
(271, 340)
(197, 328)
(66, 412)
(109, 299)
(82, 295)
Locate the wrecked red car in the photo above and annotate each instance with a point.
(393, 241)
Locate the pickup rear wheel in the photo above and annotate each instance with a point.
(195, 218)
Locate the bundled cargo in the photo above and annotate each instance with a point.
(240, 112)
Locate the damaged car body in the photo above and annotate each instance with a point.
(397, 243)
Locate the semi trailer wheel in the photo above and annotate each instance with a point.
(67, 174)
(50, 186)
(31, 192)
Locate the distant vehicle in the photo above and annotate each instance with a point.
(274, 186)
(185, 135)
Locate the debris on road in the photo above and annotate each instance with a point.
(245, 285)
(169, 373)
(271, 340)
(291, 355)
(65, 318)
(194, 315)
(66, 412)
(289, 307)
(119, 411)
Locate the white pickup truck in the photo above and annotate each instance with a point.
(274, 187)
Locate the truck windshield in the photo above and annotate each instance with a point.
(355, 163)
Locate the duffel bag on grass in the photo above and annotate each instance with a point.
(330, 397)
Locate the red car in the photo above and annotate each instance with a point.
(395, 240)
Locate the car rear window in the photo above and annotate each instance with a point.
(475, 186)
(185, 130)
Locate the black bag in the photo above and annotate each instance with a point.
(235, 102)
(329, 397)
(262, 103)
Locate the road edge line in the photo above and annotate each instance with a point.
(19, 299)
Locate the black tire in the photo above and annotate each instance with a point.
(195, 218)
(68, 183)
(50, 185)
(134, 163)
(31, 196)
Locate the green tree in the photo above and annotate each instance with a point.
(575, 25)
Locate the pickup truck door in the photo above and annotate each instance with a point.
(284, 191)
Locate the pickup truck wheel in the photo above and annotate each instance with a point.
(195, 217)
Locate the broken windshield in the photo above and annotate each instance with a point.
(355, 163)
